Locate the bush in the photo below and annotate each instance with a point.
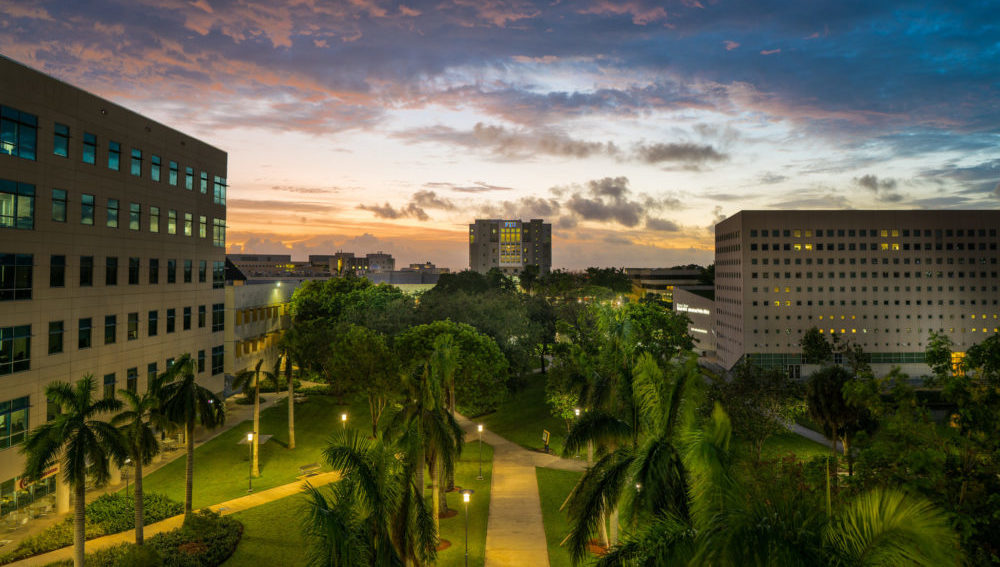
(323, 390)
(58, 536)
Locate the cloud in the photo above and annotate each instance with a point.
(525, 207)
(769, 178)
(884, 189)
(662, 225)
(770, 51)
(730, 45)
(982, 177)
(686, 152)
(606, 200)
(283, 206)
(387, 211)
(304, 190)
(430, 200)
(513, 143)
(640, 13)
(476, 187)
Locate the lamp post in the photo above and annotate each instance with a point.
(343, 420)
(576, 412)
(128, 461)
(480, 428)
(466, 494)
(250, 470)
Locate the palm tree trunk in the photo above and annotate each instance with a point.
(139, 504)
(443, 489)
(255, 472)
(189, 467)
(604, 531)
(291, 402)
(435, 496)
(78, 524)
(614, 527)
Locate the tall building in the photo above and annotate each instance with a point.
(112, 245)
(660, 283)
(510, 245)
(881, 279)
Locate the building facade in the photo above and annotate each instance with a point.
(881, 279)
(510, 245)
(698, 305)
(112, 240)
(660, 283)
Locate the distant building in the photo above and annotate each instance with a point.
(660, 283)
(698, 305)
(510, 245)
(271, 266)
(881, 279)
(347, 263)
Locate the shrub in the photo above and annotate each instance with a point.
(321, 390)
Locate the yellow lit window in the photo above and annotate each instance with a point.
(854, 330)
(798, 247)
(973, 316)
(809, 247)
(777, 303)
(798, 234)
(809, 234)
(885, 245)
(788, 303)
(895, 233)
(777, 290)
(884, 233)
(895, 246)
(788, 290)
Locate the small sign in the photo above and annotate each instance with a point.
(23, 483)
(545, 436)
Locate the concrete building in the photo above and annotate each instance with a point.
(112, 240)
(346, 262)
(510, 245)
(882, 279)
(659, 283)
(257, 315)
(270, 266)
(697, 304)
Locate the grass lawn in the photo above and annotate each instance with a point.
(782, 444)
(453, 529)
(553, 488)
(221, 465)
(271, 534)
(524, 415)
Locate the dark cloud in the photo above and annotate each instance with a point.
(304, 190)
(615, 239)
(476, 187)
(689, 153)
(513, 143)
(284, 206)
(430, 200)
(606, 202)
(387, 211)
(812, 199)
(884, 189)
(771, 178)
(979, 178)
(662, 225)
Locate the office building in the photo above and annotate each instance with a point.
(510, 245)
(660, 283)
(881, 279)
(112, 240)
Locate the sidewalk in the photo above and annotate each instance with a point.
(515, 535)
(224, 508)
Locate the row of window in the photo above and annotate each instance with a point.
(19, 137)
(17, 210)
(882, 246)
(864, 289)
(950, 260)
(873, 275)
(864, 302)
(110, 381)
(254, 314)
(873, 233)
(16, 273)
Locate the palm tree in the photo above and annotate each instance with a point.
(187, 404)
(375, 516)
(136, 423)
(77, 438)
(291, 398)
(252, 378)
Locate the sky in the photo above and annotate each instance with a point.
(632, 126)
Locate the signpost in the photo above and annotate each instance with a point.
(545, 439)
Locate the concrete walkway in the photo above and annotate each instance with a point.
(225, 508)
(515, 534)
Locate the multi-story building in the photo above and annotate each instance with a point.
(881, 279)
(346, 262)
(510, 245)
(112, 240)
(698, 305)
(660, 283)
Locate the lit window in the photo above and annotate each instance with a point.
(18, 133)
(60, 140)
(17, 205)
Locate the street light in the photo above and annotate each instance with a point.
(480, 428)
(343, 420)
(466, 494)
(250, 469)
(576, 411)
(128, 461)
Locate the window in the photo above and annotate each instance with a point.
(17, 205)
(150, 373)
(154, 270)
(55, 337)
(15, 276)
(132, 333)
(112, 221)
(15, 349)
(134, 212)
(219, 190)
(87, 209)
(89, 148)
(132, 379)
(171, 271)
(202, 271)
(219, 233)
(188, 224)
(86, 271)
(171, 221)
(57, 271)
(109, 386)
(218, 359)
(171, 319)
(154, 219)
(133, 271)
(111, 271)
(204, 182)
(188, 269)
(58, 205)
(114, 155)
(136, 163)
(153, 317)
(218, 275)
(201, 361)
(187, 318)
(110, 329)
(189, 178)
(218, 317)
(60, 140)
(154, 167)
(172, 176)
(83, 333)
(201, 316)
(202, 226)
(18, 133)
(13, 423)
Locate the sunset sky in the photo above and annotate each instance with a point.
(631, 126)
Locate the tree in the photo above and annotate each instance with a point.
(136, 423)
(78, 440)
(528, 277)
(828, 406)
(815, 348)
(760, 403)
(361, 358)
(248, 379)
(186, 403)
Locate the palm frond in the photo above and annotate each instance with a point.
(596, 427)
(594, 497)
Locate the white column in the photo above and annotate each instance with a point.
(62, 495)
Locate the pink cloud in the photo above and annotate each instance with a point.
(770, 51)
(730, 45)
(641, 15)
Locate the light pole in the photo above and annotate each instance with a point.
(576, 411)
(466, 494)
(480, 428)
(128, 461)
(343, 421)
(250, 470)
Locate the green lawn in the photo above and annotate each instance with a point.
(524, 415)
(221, 466)
(453, 529)
(553, 488)
(271, 534)
(785, 443)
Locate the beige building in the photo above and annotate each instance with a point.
(510, 245)
(112, 239)
(660, 283)
(257, 314)
(697, 305)
(881, 279)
